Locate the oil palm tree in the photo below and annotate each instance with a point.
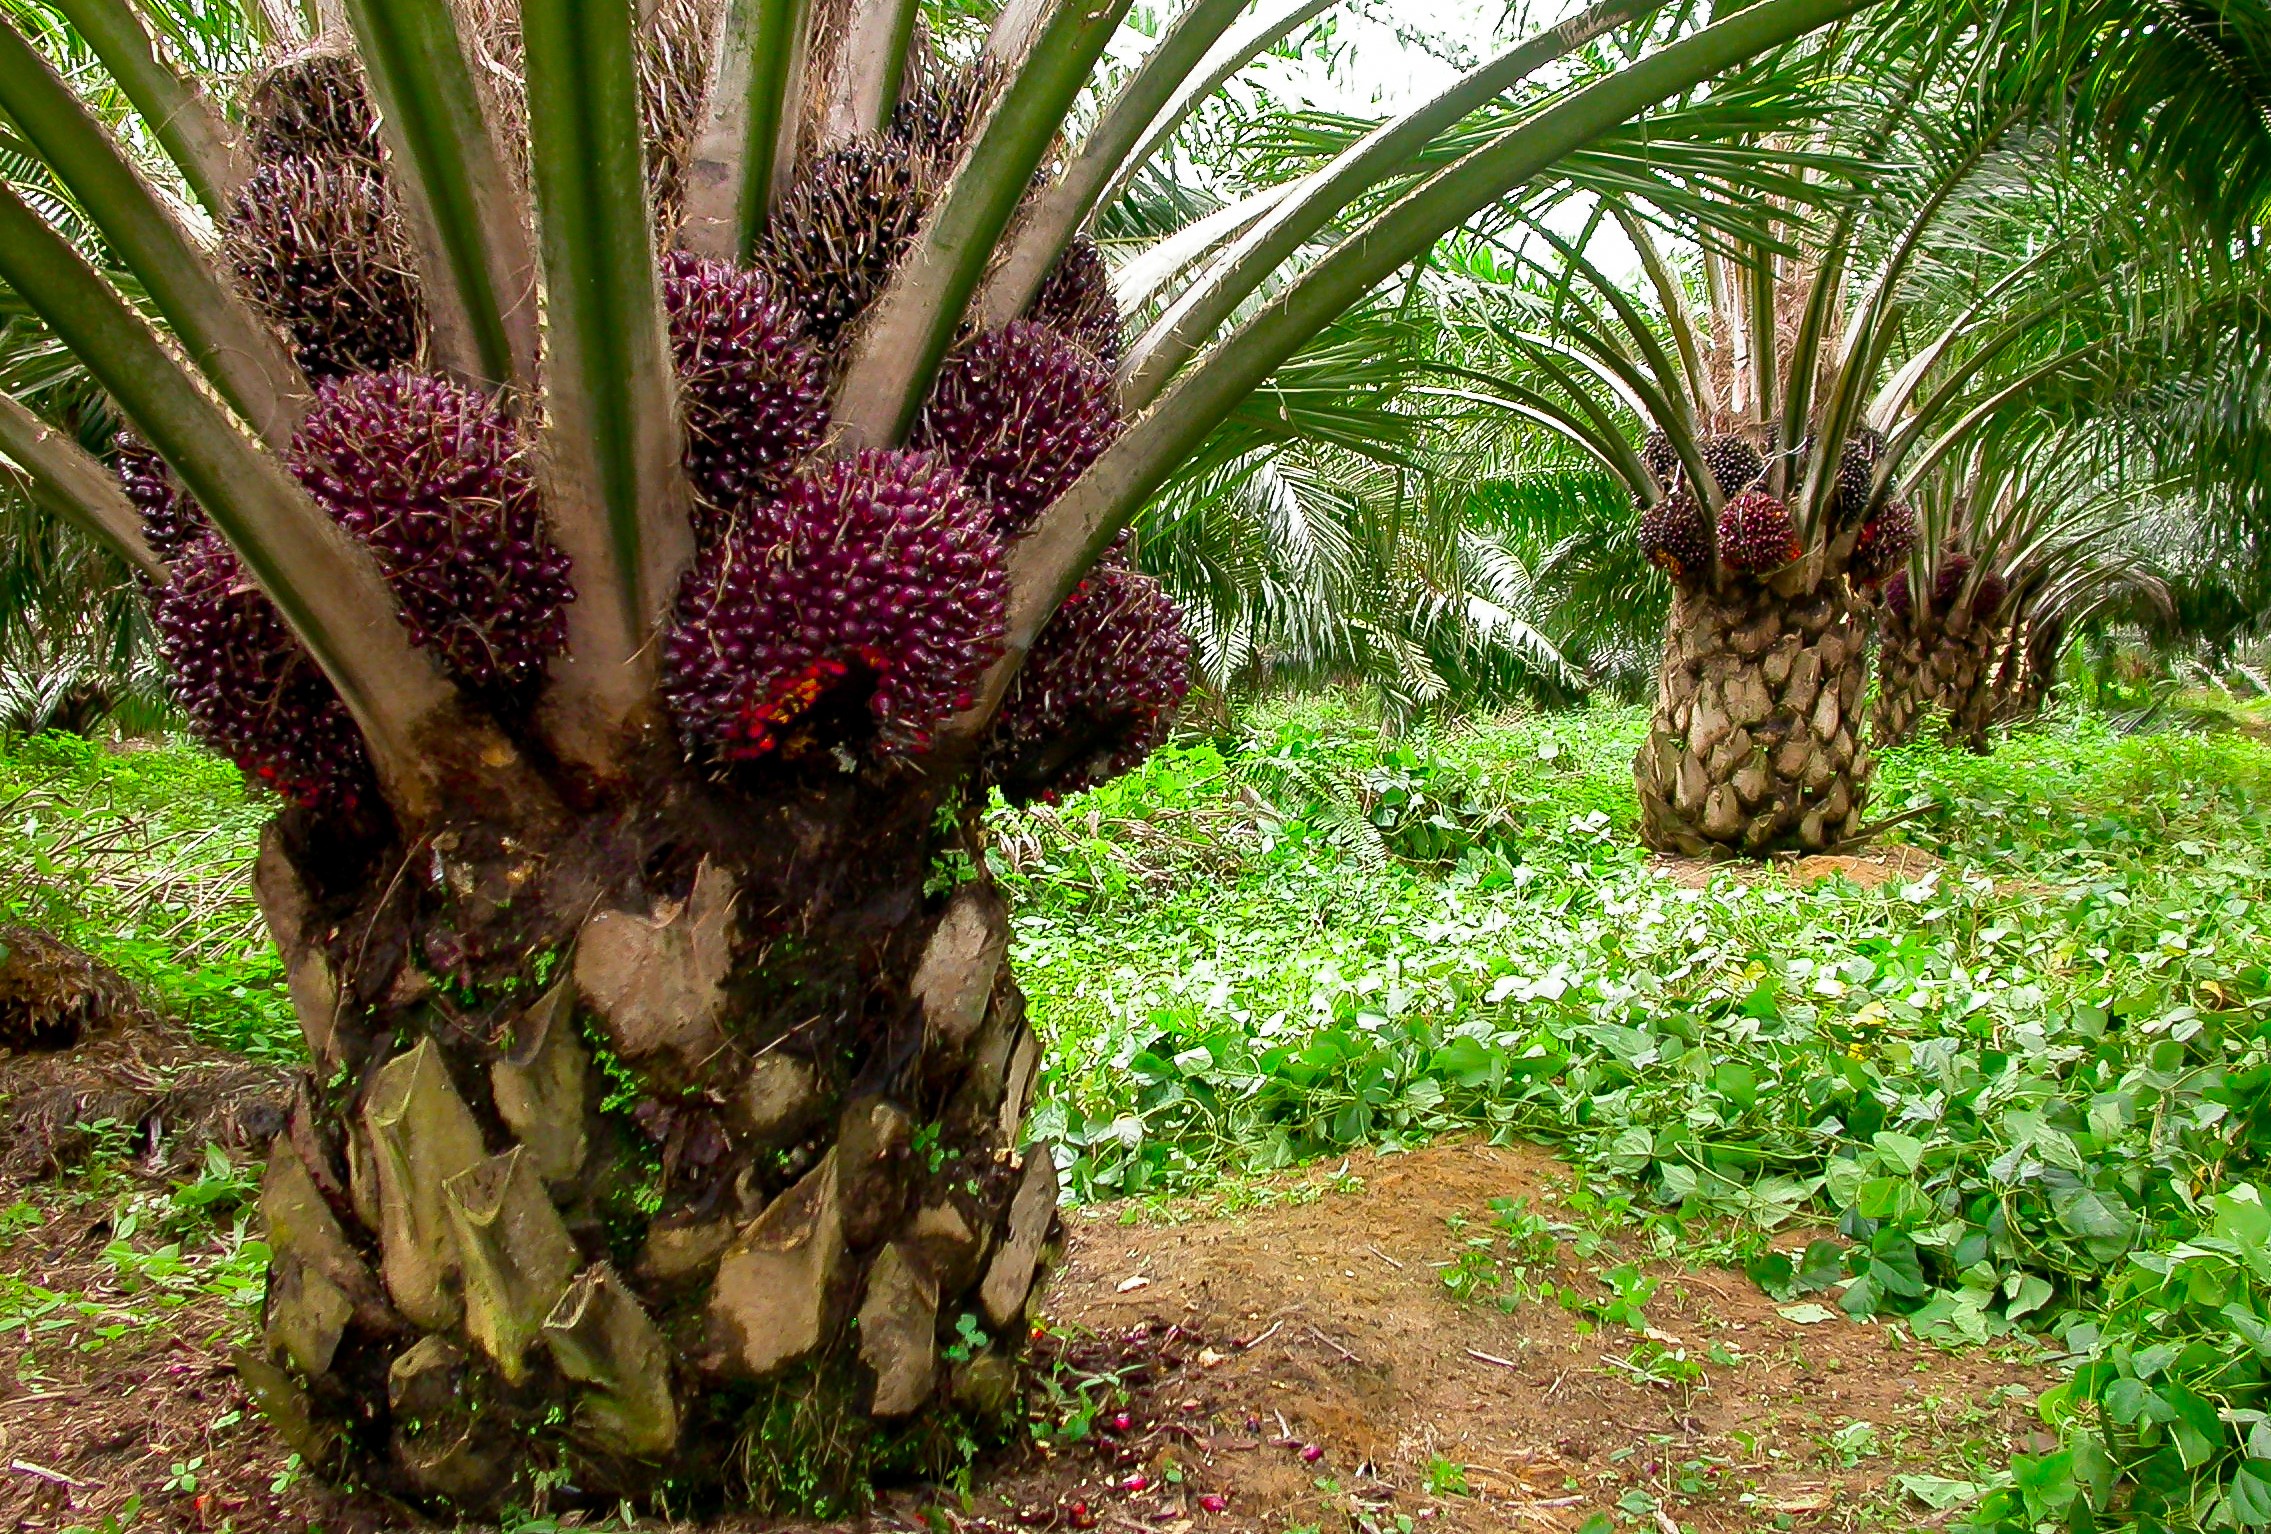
(1971, 263)
(2018, 541)
(633, 477)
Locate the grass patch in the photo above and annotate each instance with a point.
(143, 858)
(2018, 1095)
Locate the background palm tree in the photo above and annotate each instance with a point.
(2018, 540)
(1951, 253)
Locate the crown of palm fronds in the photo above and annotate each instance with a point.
(539, 155)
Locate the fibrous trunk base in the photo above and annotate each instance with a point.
(1947, 664)
(669, 1151)
(1756, 745)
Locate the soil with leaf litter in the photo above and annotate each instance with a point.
(1297, 1364)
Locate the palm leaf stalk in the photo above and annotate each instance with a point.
(635, 571)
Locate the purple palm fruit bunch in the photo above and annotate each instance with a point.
(1075, 301)
(251, 691)
(753, 389)
(1020, 411)
(1098, 692)
(863, 602)
(1899, 600)
(1756, 533)
(434, 481)
(1955, 569)
(318, 244)
(171, 519)
(1884, 542)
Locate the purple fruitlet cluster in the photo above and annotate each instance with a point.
(433, 480)
(754, 392)
(1020, 412)
(1756, 533)
(1098, 692)
(1675, 535)
(250, 688)
(879, 572)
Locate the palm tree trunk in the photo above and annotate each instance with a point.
(1962, 669)
(666, 1146)
(1756, 745)
(2030, 670)
(1901, 689)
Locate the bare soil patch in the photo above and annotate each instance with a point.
(1867, 869)
(1294, 1366)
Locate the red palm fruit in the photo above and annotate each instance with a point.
(754, 391)
(171, 518)
(1075, 301)
(860, 606)
(250, 689)
(1756, 534)
(1097, 694)
(1675, 535)
(1020, 412)
(435, 481)
(1988, 595)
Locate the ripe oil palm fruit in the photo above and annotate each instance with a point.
(633, 683)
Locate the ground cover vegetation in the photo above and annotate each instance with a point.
(2011, 1092)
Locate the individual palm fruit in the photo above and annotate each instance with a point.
(171, 518)
(318, 245)
(250, 689)
(859, 607)
(1675, 535)
(1756, 533)
(845, 221)
(313, 103)
(1097, 694)
(435, 482)
(1075, 301)
(1021, 412)
(753, 390)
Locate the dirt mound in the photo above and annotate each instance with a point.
(143, 1082)
(51, 993)
(1892, 862)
